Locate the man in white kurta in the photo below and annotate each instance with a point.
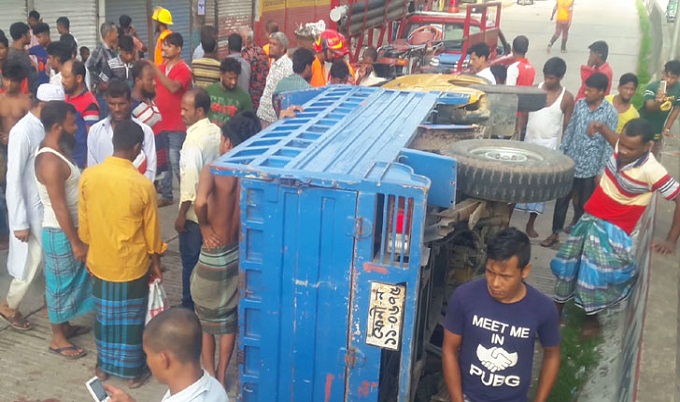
(23, 204)
(99, 145)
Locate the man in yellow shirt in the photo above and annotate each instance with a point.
(162, 18)
(628, 84)
(118, 217)
(564, 10)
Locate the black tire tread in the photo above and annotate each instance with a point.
(495, 180)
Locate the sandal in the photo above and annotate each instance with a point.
(60, 352)
(16, 321)
(139, 380)
(77, 330)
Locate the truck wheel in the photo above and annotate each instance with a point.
(511, 171)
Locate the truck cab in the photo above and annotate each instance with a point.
(437, 42)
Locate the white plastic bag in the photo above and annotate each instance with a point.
(158, 300)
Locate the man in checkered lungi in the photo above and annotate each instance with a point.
(596, 266)
(214, 281)
(118, 215)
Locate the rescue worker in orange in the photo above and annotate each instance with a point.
(162, 18)
(564, 10)
(331, 46)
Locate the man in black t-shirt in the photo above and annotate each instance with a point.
(491, 325)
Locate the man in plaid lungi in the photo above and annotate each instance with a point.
(118, 215)
(597, 265)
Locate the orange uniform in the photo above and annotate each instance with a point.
(158, 52)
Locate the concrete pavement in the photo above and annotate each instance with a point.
(29, 373)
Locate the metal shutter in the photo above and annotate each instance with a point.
(136, 9)
(230, 15)
(12, 11)
(181, 18)
(81, 13)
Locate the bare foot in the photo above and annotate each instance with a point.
(550, 240)
(101, 374)
(531, 232)
(591, 330)
(139, 380)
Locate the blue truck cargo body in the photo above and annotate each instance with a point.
(332, 220)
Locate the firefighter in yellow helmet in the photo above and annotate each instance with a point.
(162, 17)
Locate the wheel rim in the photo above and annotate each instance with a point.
(506, 154)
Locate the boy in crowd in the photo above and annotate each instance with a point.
(628, 84)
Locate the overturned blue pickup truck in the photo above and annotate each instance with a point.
(352, 241)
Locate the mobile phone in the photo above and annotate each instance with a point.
(96, 388)
(662, 86)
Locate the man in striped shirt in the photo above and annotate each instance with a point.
(206, 70)
(120, 66)
(597, 266)
(145, 110)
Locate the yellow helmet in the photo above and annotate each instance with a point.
(155, 12)
(163, 16)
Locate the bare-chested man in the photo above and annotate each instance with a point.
(214, 282)
(13, 107)
(545, 127)
(13, 104)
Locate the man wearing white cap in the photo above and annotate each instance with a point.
(23, 203)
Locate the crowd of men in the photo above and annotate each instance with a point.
(89, 140)
(92, 141)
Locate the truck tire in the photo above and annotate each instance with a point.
(511, 171)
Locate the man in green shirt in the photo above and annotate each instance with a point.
(661, 108)
(226, 97)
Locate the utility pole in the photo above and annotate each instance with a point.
(676, 34)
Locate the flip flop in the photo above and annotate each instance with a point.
(139, 380)
(60, 352)
(16, 321)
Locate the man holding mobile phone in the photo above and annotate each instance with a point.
(172, 343)
(662, 101)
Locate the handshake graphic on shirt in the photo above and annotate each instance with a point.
(496, 359)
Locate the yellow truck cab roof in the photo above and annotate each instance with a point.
(451, 83)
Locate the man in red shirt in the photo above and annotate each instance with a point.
(173, 80)
(73, 80)
(597, 63)
(520, 73)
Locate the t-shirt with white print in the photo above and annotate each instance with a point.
(497, 348)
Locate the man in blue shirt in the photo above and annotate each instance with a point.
(590, 154)
(39, 51)
(491, 325)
